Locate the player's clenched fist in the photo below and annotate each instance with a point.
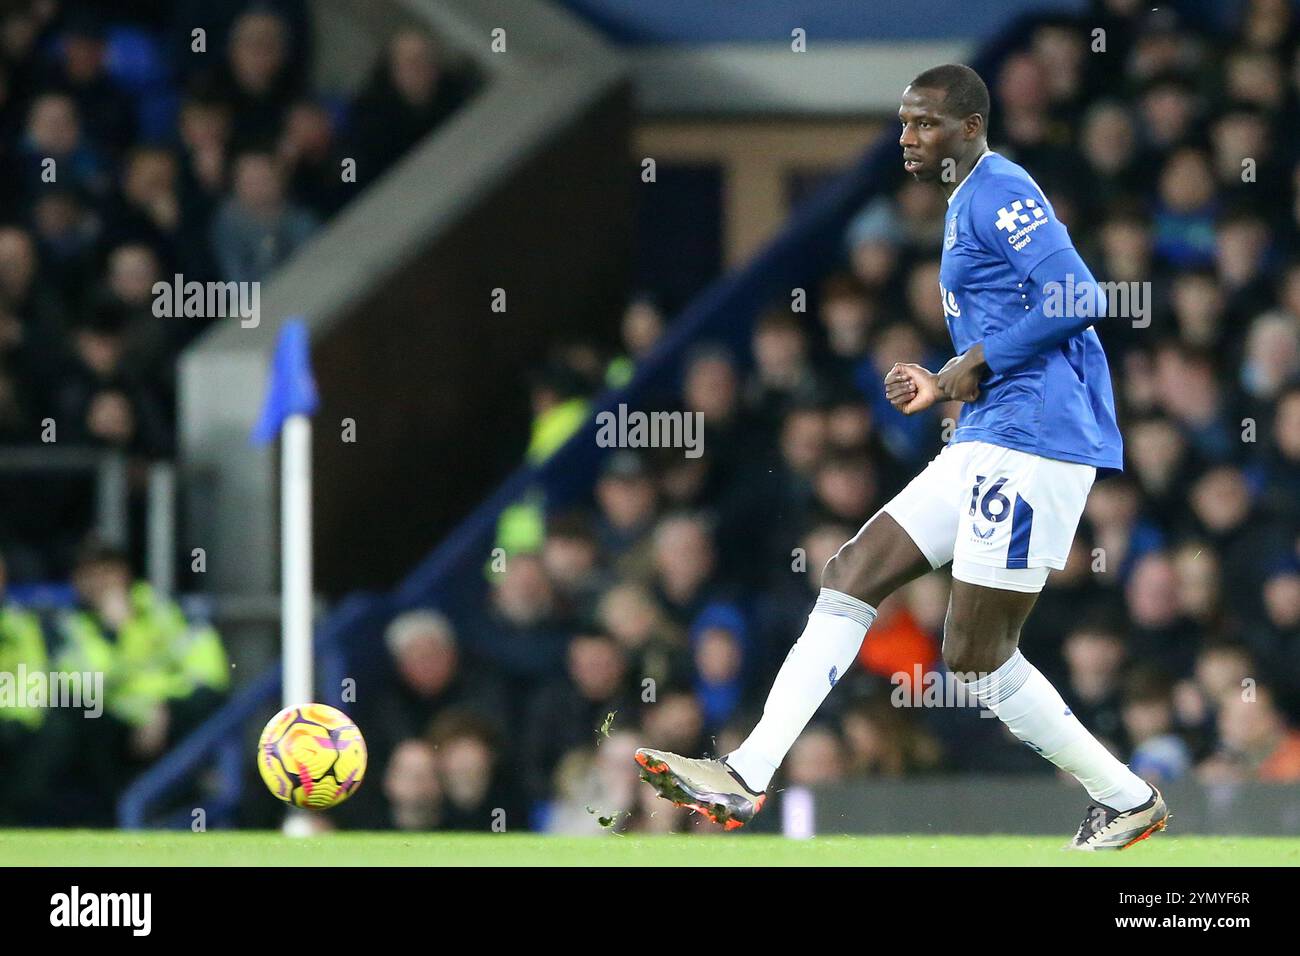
(912, 388)
(960, 378)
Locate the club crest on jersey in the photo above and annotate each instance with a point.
(950, 237)
(1020, 220)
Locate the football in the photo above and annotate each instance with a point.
(312, 756)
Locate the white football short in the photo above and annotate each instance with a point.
(1004, 518)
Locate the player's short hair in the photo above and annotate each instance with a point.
(964, 90)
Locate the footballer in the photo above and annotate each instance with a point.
(1001, 502)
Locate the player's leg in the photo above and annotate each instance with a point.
(868, 568)
(879, 559)
(980, 646)
(910, 536)
(980, 641)
(1022, 514)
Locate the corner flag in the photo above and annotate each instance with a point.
(292, 390)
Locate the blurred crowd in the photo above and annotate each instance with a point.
(658, 614)
(143, 140)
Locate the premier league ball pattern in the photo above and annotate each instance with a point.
(312, 756)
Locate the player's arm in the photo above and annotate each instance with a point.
(1047, 325)
(1052, 320)
(1049, 271)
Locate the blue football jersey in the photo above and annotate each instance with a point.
(1058, 403)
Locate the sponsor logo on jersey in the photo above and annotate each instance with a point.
(950, 307)
(1020, 220)
(950, 238)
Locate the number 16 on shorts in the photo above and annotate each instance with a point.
(994, 512)
(997, 526)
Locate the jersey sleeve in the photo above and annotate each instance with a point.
(1011, 218)
(1047, 325)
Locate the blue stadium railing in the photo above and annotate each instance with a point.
(452, 574)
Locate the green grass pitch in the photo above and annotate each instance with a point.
(249, 848)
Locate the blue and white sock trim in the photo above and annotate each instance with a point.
(1002, 683)
(839, 604)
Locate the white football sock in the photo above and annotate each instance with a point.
(1030, 706)
(824, 652)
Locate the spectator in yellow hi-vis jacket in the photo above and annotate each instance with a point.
(22, 646)
(22, 650)
(156, 665)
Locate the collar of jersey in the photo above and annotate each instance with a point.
(986, 153)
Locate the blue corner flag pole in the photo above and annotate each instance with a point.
(290, 399)
(292, 390)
